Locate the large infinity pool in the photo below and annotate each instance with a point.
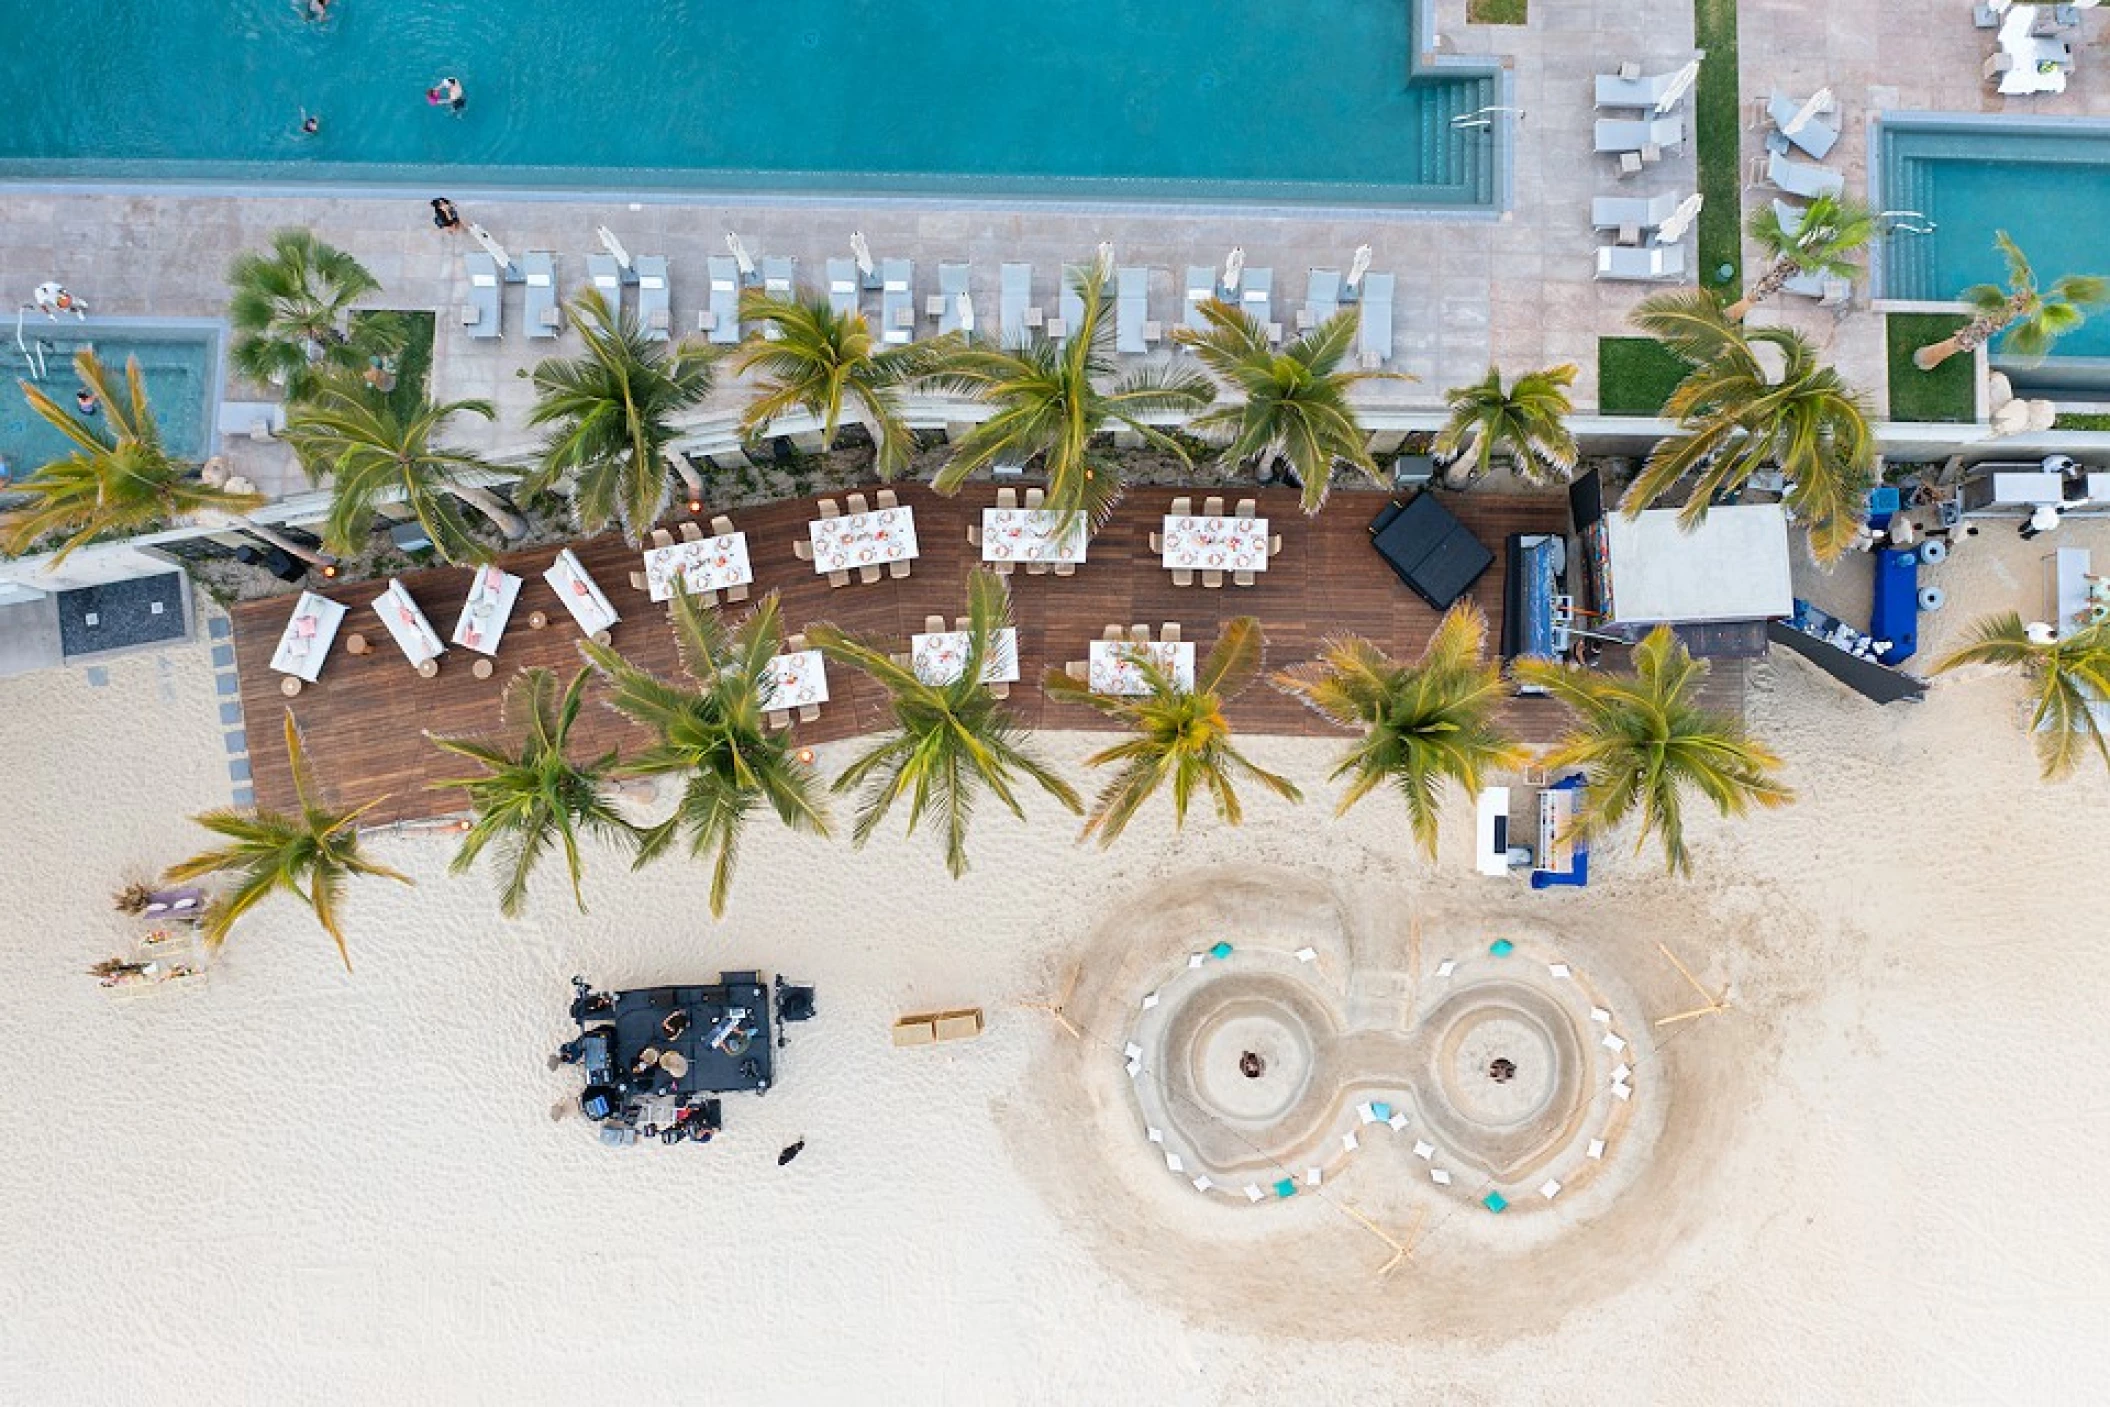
(2046, 182)
(1138, 99)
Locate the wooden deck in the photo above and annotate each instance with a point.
(366, 718)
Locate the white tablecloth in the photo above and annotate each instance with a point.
(940, 658)
(309, 631)
(580, 594)
(1216, 544)
(1113, 665)
(710, 565)
(1032, 535)
(2038, 66)
(486, 612)
(863, 539)
(406, 622)
(795, 680)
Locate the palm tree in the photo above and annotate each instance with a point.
(372, 456)
(309, 855)
(1528, 422)
(1643, 741)
(1181, 736)
(2032, 318)
(1049, 405)
(1822, 242)
(291, 313)
(120, 478)
(711, 732)
(2069, 679)
(533, 794)
(1293, 402)
(813, 360)
(1737, 420)
(613, 409)
(950, 741)
(1424, 724)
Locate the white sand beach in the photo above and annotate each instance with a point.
(1874, 1180)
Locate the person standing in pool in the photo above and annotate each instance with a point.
(310, 124)
(84, 400)
(450, 93)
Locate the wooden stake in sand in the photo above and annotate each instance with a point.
(1716, 1004)
(1055, 1008)
(1401, 1250)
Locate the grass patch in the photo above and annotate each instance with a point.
(415, 331)
(1494, 11)
(1635, 375)
(2080, 421)
(1717, 128)
(1943, 395)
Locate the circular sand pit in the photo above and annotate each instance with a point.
(1238, 1061)
(1505, 1082)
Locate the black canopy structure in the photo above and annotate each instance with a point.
(1429, 549)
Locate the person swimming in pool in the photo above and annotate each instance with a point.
(448, 92)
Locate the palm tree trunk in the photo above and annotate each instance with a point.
(691, 481)
(1771, 282)
(493, 507)
(285, 544)
(1973, 334)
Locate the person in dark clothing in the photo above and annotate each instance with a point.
(444, 216)
(791, 1151)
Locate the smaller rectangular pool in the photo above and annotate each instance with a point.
(180, 361)
(2046, 181)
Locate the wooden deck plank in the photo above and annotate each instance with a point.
(366, 717)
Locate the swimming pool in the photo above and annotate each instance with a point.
(2046, 181)
(1323, 102)
(180, 361)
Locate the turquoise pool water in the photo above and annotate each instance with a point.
(181, 366)
(2047, 183)
(1140, 99)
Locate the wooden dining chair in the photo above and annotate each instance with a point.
(778, 718)
(1241, 578)
(1000, 689)
(1036, 569)
(959, 623)
(1079, 671)
(1157, 542)
(1004, 568)
(736, 592)
(1113, 633)
(640, 582)
(1036, 497)
(838, 578)
(1213, 580)
(809, 713)
(868, 573)
(1181, 508)
(1247, 508)
(887, 498)
(1212, 507)
(1007, 497)
(934, 625)
(1169, 632)
(722, 526)
(796, 645)
(858, 504)
(802, 548)
(662, 538)
(1064, 569)
(829, 509)
(1274, 545)
(690, 532)
(974, 534)
(1182, 576)
(1140, 634)
(705, 598)
(900, 568)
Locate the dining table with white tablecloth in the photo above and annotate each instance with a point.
(1215, 544)
(306, 641)
(487, 611)
(1033, 535)
(939, 657)
(1114, 668)
(580, 593)
(2037, 63)
(857, 540)
(711, 564)
(797, 679)
(405, 622)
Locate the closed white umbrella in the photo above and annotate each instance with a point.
(1680, 84)
(861, 252)
(1673, 229)
(966, 313)
(1234, 267)
(614, 247)
(1359, 266)
(740, 256)
(1820, 101)
(492, 247)
(1105, 262)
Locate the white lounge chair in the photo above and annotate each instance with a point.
(1816, 137)
(842, 286)
(1616, 92)
(1131, 310)
(897, 300)
(1322, 297)
(1655, 263)
(1801, 178)
(1619, 134)
(780, 276)
(653, 315)
(1374, 333)
(722, 318)
(1014, 296)
(539, 272)
(1201, 287)
(1256, 294)
(952, 288)
(1070, 302)
(481, 314)
(606, 276)
(1612, 212)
